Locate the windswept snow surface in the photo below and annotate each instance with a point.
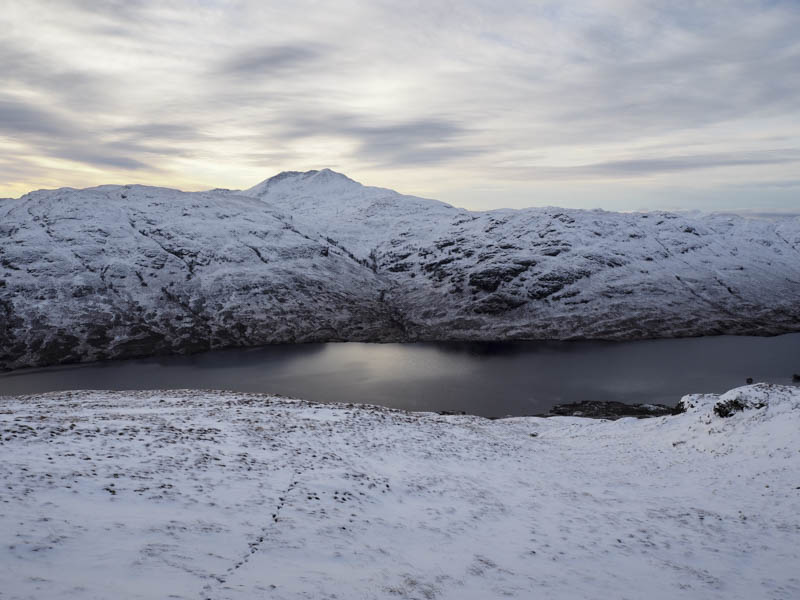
(194, 494)
(121, 271)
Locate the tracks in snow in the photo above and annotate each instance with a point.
(208, 590)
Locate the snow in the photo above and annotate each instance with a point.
(202, 494)
(123, 271)
(360, 217)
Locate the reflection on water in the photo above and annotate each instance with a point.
(491, 379)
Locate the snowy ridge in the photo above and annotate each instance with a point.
(250, 496)
(120, 271)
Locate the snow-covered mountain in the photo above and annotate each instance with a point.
(130, 270)
(124, 271)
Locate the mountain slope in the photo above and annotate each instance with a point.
(121, 271)
(556, 273)
(125, 271)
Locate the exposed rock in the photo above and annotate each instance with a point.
(488, 280)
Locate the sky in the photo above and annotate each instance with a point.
(619, 104)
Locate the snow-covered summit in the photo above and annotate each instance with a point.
(117, 271)
(358, 216)
(307, 181)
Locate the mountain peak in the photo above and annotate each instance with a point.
(295, 179)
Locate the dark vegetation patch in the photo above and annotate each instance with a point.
(729, 407)
(596, 409)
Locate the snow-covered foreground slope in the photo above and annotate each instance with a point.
(120, 271)
(219, 495)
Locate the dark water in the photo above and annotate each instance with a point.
(491, 379)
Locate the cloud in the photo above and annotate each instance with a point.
(269, 60)
(63, 85)
(20, 118)
(105, 156)
(637, 168)
(427, 140)
(691, 93)
(159, 130)
(649, 166)
(780, 183)
(48, 133)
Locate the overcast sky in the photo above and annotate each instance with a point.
(620, 104)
